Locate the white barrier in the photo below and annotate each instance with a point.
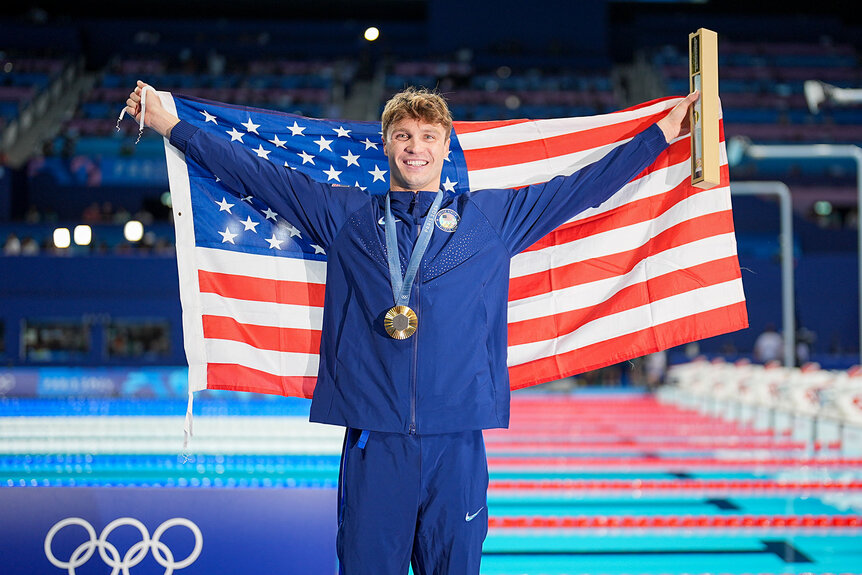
(818, 406)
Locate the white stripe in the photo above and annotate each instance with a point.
(266, 267)
(632, 321)
(274, 362)
(537, 171)
(594, 293)
(620, 239)
(263, 313)
(181, 202)
(540, 129)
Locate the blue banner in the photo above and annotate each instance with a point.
(146, 531)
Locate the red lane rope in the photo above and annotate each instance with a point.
(613, 431)
(678, 445)
(667, 462)
(687, 521)
(673, 485)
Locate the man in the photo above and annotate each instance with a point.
(769, 345)
(413, 363)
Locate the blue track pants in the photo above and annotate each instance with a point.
(419, 499)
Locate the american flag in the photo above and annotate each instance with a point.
(653, 267)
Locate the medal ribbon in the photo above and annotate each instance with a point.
(401, 288)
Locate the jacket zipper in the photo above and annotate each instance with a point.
(412, 429)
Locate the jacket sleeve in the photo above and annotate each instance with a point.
(317, 209)
(523, 216)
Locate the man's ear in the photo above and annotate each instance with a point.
(385, 153)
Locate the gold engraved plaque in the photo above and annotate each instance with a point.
(703, 77)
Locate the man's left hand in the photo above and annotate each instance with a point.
(676, 123)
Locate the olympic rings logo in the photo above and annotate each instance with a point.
(136, 553)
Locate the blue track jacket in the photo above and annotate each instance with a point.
(451, 375)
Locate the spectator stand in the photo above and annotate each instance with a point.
(484, 88)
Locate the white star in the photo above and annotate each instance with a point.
(270, 215)
(223, 206)
(363, 188)
(369, 144)
(341, 132)
(286, 165)
(293, 231)
(323, 143)
(332, 174)
(251, 126)
(296, 130)
(447, 158)
(449, 185)
(262, 153)
(318, 249)
(218, 179)
(226, 236)
(247, 198)
(209, 117)
(351, 159)
(235, 135)
(274, 242)
(277, 142)
(378, 174)
(250, 225)
(306, 157)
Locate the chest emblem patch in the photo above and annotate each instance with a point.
(447, 220)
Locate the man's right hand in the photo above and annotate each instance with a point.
(155, 116)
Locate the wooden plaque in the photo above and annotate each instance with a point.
(703, 76)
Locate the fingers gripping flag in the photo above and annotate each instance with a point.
(653, 267)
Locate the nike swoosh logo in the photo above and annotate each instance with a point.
(382, 223)
(469, 517)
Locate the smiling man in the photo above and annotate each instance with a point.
(414, 341)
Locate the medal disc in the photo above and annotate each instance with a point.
(400, 322)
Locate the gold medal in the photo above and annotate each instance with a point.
(400, 322)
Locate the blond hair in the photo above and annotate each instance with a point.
(420, 104)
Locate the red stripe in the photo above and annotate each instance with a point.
(468, 127)
(630, 297)
(261, 289)
(553, 146)
(234, 377)
(614, 350)
(471, 127)
(614, 265)
(283, 339)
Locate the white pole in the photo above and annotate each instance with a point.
(788, 304)
(758, 151)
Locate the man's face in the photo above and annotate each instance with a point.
(416, 151)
